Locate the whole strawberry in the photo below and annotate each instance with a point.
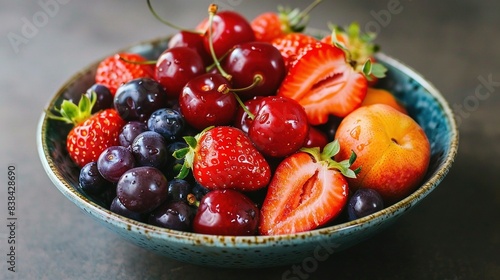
(91, 134)
(223, 157)
(120, 68)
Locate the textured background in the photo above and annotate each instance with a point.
(453, 234)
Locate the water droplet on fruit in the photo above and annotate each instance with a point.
(360, 147)
(355, 132)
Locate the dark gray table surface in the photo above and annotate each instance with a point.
(453, 234)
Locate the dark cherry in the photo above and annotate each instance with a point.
(142, 189)
(229, 29)
(191, 40)
(176, 215)
(226, 212)
(247, 61)
(129, 131)
(363, 203)
(91, 181)
(280, 126)
(203, 105)
(114, 161)
(137, 99)
(104, 98)
(150, 149)
(176, 66)
(120, 209)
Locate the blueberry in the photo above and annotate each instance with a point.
(167, 122)
(363, 203)
(178, 190)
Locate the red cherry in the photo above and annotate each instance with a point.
(203, 105)
(226, 212)
(316, 138)
(247, 60)
(242, 120)
(280, 126)
(229, 28)
(176, 66)
(191, 40)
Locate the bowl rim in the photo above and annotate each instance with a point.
(216, 240)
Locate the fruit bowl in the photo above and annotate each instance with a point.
(423, 102)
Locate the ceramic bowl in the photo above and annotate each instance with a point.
(423, 101)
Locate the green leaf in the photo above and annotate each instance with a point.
(330, 150)
(191, 141)
(378, 70)
(367, 68)
(181, 153)
(353, 157)
(184, 172)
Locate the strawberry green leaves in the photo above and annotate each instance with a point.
(329, 151)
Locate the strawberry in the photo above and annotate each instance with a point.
(308, 190)
(92, 133)
(223, 157)
(291, 46)
(323, 81)
(120, 68)
(270, 25)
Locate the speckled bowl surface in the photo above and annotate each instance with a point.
(423, 101)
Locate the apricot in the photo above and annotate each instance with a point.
(382, 96)
(392, 150)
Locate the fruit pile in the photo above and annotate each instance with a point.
(246, 127)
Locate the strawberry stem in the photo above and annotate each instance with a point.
(72, 113)
(329, 151)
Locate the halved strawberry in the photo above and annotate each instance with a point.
(223, 157)
(323, 81)
(118, 69)
(307, 190)
(291, 46)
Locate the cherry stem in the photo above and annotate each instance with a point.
(147, 62)
(212, 10)
(224, 88)
(169, 23)
(191, 199)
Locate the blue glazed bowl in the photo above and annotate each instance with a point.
(423, 102)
